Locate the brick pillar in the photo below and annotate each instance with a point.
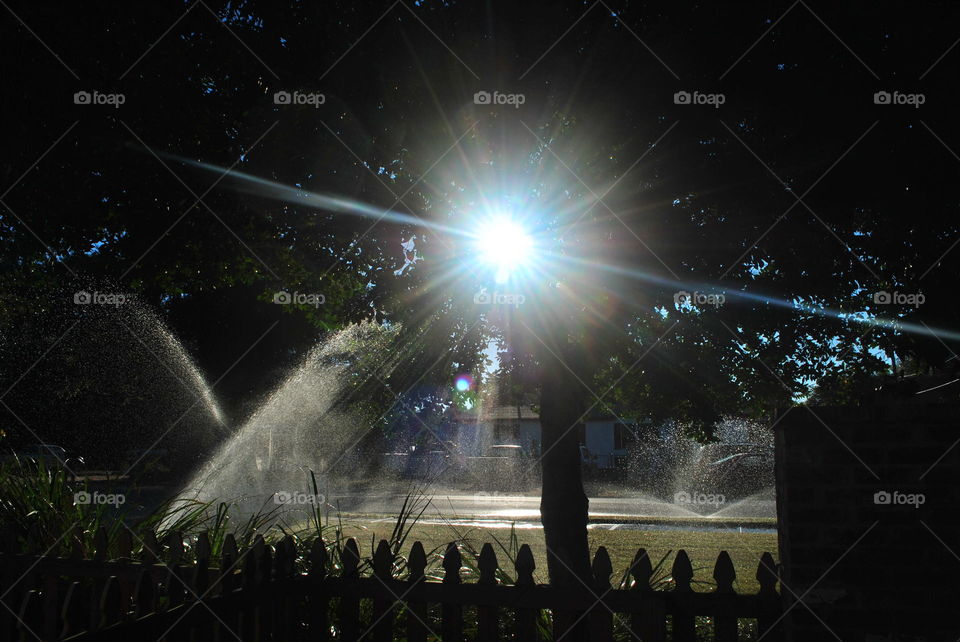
(869, 521)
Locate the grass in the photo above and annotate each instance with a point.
(39, 511)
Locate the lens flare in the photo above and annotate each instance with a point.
(504, 245)
(464, 383)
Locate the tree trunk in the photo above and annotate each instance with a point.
(563, 503)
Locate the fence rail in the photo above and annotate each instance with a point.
(274, 593)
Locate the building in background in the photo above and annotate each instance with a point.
(605, 440)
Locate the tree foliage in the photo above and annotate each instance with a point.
(798, 189)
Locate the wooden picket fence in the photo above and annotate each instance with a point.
(271, 593)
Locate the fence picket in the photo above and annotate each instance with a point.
(202, 551)
(648, 619)
(767, 620)
(383, 603)
(228, 627)
(111, 608)
(74, 612)
(175, 549)
(684, 620)
(51, 606)
(283, 568)
(176, 582)
(8, 542)
(125, 544)
(264, 607)
(285, 557)
(229, 563)
(94, 615)
(317, 602)
(200, 581)
(30, 617)
(200, 586)
(724, 624)
(640, 570)
(150, 553)
(350, 603)
(487, 614)
(451, 615)
(526, 617)
(145, 595)
(175, 587)
(100, 544)
(601, 619)
(416, 609)
(9, 577)
(248, 584)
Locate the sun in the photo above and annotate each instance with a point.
(505, 246)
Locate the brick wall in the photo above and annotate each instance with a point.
(874, 570)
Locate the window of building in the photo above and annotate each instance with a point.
(622, 436)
